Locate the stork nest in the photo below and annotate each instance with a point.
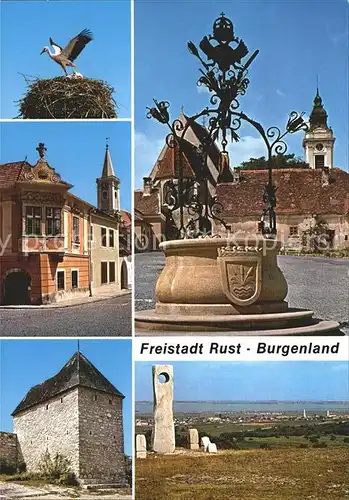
(67, 98)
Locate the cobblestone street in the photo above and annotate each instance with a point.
(109, 317)
(315, 283)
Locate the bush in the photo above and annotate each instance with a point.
(56, 469)
(6, 468)
(319, 445)
(66, 98)
(23, 476)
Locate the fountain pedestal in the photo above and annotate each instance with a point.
(224, 285)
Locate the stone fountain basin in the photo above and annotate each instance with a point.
(191, 281)
(193, 293)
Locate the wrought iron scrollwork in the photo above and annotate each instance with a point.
(224, 74)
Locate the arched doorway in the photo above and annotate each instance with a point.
(124, 275)
(17, 288)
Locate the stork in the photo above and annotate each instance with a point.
(65, 57)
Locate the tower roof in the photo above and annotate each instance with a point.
(108, 170)
(77, 372)
(318, 116)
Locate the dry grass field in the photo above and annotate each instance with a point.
(292, 474)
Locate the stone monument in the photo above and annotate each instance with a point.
(205, 441)
(212, 448)
(141, 446)
(193, 439)
(163, 437)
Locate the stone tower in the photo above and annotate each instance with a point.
(318, 142)
(77, 413)
(108, 194)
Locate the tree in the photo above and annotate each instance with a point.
(278, 161)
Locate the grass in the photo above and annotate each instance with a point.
(295, 474)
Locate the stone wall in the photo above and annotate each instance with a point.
(51, 426)
(9, 450)
(101, 441)
(84, 425)
(337, 223)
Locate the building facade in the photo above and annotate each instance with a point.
(153, 221)
(54, 245)
(77, 414)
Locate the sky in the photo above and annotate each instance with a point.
(297, 40)
(251, 381)
(75, 149)
(25, 363)
(27, 26)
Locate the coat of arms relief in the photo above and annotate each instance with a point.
(241, 273)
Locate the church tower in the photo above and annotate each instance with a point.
(108, 195)
(318, 142)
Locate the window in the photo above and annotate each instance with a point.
(53, 221)
(112, 272)
(346, 237)
(319, 161)
(105, 195)
(60, 280)
(110, 401)
(111, 238)
(33, 221)
(61, 400)
(104, 236)
(293, 230)
(104, 272)
(91, 232)
(47, 409)
(76, 229)
(75, 279)
(94, 398)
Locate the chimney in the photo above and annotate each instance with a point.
(325, 176)
(236, 175)
(147, 185)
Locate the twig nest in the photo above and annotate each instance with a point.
(67, 97)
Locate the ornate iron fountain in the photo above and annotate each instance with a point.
(231, 283)
(224, 74)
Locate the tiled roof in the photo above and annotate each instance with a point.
(126, 217)
(11, 172)
(78, 371)
(300, 191)
(167, 165)
(147, 204)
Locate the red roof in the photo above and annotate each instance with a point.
(147, 204)
(167, 165)
(300, 191)
(126, 217)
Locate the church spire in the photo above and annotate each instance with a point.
(108, 186)
(108, 169)
(318, 142)
(318, 116)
